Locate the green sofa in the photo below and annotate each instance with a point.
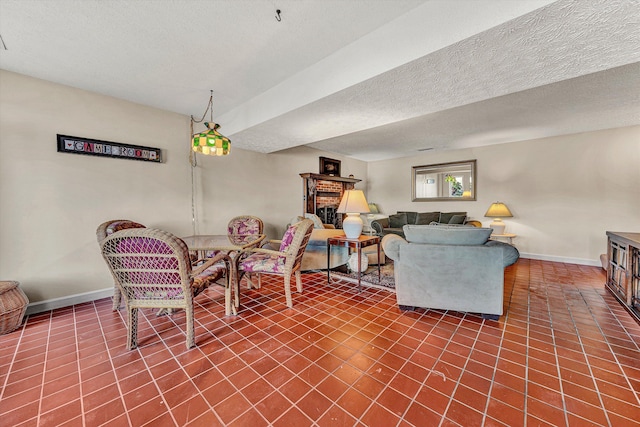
(394, 223)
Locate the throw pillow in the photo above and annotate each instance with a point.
(446, 235)
(411, 216)
(457, 219)
(398, 220)
(288, 237)
(424, 218)
(445, 217)
(317, 223)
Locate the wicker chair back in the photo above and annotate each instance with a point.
(152, 269)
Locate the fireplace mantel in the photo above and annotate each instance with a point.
(318, 176)
(322, 191)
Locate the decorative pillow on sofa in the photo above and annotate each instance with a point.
(445, 235)
(445, 217)
(411, 216)
(424, 218)
(457, 219)
(398, 220)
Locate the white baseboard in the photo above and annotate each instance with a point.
(52, 304)
(580, 261)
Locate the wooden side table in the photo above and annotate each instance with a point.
(357, 244)
(506, 236)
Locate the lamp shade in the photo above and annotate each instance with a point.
(211, 142)
(498, 210)
(353, 203)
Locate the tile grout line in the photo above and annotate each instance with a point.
(330, 373)
(13, 358)
(75, 332)
(44, 367)
(555, 305)
(597, 388)
(386, 386)
(206, 356)
(451, 399)
(497, 357)
(153, 378)
(555, 350)
(108, 350)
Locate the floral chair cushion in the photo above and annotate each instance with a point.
(263, 263)
(288, 238)
(244, 226)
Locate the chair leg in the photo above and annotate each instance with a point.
(299, 281)
(250, 284)
(287, 290)
(227, 298)
(116, 298)
(236, 300)
(191, 340)
(132, 335)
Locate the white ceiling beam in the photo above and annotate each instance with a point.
(423, 30)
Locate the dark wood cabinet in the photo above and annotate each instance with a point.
(623, 269)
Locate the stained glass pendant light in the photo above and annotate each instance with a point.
(210, 142)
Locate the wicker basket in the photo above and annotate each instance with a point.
(13, 304)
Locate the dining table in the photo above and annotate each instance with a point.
(232, 245)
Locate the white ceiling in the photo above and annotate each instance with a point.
(370, 79)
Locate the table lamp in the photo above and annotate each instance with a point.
(353, 203)
(497, 211)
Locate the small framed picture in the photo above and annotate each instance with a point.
(329, 166)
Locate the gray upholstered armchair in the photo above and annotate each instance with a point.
(449, 268)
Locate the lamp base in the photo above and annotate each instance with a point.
(498, 226)
(352, 225)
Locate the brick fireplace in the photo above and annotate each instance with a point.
(322, 195)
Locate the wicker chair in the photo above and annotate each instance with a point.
(245, 224)
(152, 268)
(106, 229)
(284, 262)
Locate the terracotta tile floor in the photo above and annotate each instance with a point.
(565, 353)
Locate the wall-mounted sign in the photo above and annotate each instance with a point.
(95, 147)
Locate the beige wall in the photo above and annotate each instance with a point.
(564, 192)
(51, 203)
(267, 185)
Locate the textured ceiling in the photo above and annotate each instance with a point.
(370, 79)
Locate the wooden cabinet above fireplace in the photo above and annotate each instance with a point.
(322, 194)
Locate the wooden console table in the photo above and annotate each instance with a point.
(623, 269)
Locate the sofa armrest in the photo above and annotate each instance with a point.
(379, 224)
(391, 245)
(510, 254)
